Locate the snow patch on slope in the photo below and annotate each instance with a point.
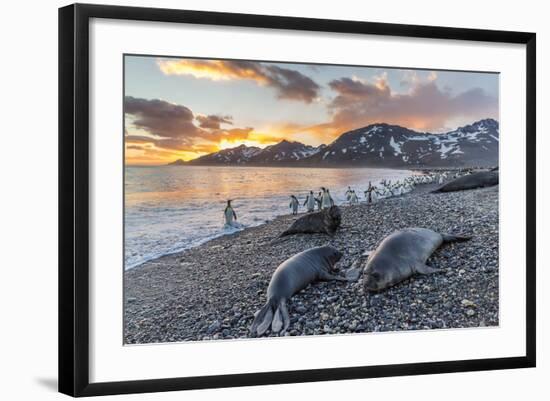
(396, 146)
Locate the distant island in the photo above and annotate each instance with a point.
(376, 145)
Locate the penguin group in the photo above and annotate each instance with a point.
(373, 193)
(323, 200)
(351, 196)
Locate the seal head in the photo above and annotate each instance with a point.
(403, 254)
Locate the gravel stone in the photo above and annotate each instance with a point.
(212, 291)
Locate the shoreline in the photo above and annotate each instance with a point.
(200, 243)
(206, 240)
(139, 256)
(353, 166)
(212, 290)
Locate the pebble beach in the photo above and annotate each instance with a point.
(211, 292)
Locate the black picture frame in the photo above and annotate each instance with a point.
(74, 198)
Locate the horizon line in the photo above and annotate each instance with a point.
(323, 144)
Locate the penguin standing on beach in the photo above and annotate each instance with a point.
(326, 199)
(348, 193)
(294, 204)
(399, 190)
(319, 201)
(229, 215)
(367, 192)
(371, 194)
(354, 200)
(330, 198)
(310, 202)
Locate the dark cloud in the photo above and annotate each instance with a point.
(355, 93)
(170, 126)
(293, 84)
(425, 107)
(289, 84)
(182, 144)
(139, 139)
(161, 118)
(213, 121)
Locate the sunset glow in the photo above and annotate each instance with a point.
(227, 144)
(180, 108)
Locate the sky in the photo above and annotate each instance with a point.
(183, 108)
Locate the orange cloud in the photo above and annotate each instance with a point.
(145, 150)
(217, 70)
(308, 134)
(289, 84)
(149, 154)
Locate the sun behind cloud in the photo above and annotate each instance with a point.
(188, 109)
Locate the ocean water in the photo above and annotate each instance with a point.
(172, 208)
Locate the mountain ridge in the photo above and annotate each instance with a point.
(376, 145)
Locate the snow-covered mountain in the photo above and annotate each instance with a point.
(387, 145)
(234, 156)
(377, 145)
(282, 153)
(285, 152)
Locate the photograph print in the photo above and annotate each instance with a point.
(275, 199)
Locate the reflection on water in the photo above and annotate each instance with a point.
(172, 208)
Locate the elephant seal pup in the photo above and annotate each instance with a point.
(471, 181)
(326, 221)
(401, 255)
(290, 277)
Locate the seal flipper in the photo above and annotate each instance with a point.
(277, 323)
(286, 317)
(281, 319)
(422, 268)
(353, 273)
(262, 319)
(455, 238)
